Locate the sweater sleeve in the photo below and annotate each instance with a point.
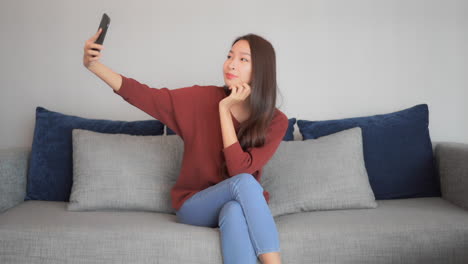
(157, 102)
(250, 161)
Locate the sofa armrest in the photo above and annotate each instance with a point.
(452, 165)
(14, 164)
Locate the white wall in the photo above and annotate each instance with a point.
(335, 59)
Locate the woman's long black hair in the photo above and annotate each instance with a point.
(262, 102)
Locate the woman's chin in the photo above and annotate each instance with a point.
(228, 82)
(232, 81)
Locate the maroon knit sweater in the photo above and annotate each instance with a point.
(193, 113)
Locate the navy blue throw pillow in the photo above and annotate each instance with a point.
(50, 174)
(290, 132)
(287, 137)
(397, 150)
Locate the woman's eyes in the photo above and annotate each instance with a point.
(229, 56)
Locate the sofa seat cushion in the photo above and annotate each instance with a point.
(46, 232)
(418, 230)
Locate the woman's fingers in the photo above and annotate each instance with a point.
(96, 46)
(235, 88)
(90, 42)
(93, 46)
(240, 88)
(92, 52)
(95, 58)
(96, 36)
(246, 87)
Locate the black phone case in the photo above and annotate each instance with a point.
(105, 22)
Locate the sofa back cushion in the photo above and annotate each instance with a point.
(327, 173)
(50, 170)
(124, 172)
(397, 150)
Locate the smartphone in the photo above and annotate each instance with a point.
(105, 22)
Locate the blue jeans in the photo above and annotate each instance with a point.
(238, 207)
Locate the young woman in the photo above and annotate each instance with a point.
(230, 132)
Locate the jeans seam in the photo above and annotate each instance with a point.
(254, 242)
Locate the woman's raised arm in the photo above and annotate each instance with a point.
(91, 62)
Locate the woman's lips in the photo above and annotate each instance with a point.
(230, 76)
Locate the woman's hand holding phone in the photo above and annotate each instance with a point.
(91, 56)
(93, 52)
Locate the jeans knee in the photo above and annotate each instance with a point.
(229, 209)
(246, 179)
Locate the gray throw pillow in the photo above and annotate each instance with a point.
(124, 172)
(327, 173)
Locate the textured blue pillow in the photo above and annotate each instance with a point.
(290, 132)
(397, 150)
(287, 137)
(50, 174)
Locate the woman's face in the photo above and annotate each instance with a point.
(237, 68)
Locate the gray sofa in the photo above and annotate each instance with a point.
(420, 230)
